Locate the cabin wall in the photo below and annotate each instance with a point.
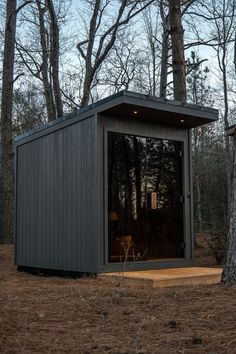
(55, 199)
(146, 129)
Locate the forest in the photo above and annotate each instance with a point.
(58, 56)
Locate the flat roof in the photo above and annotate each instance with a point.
(127, 104)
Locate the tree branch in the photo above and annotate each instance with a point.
(194, 66)
(23, 5)
(70, 99)
(18, 76)
(187, 6)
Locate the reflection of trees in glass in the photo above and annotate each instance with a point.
(163, 169)
(138, 167)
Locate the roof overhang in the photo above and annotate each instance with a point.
(162, 111)
(126, 104)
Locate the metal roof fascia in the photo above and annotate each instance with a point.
(168, 102)
(171, 106)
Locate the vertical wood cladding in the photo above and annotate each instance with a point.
(56, 216)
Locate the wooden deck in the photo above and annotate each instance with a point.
(167, 277)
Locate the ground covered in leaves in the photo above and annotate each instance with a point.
(56, 315)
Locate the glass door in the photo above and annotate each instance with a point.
(145, 198)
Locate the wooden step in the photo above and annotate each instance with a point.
(166, 277)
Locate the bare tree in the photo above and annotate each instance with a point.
(7, 155)
(172, 14)
(54, 57)
(164, 48)
(130, 65)
(151, 29)
(7, 168)
(177, 44)
(229, 272)
(95, 48)
(48, 90)
(224, 27)
(121, 64)
(43, 62)
(221, 18)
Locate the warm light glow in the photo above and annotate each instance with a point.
(135, 112)
(182, 121)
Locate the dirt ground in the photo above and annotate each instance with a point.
(56, 315)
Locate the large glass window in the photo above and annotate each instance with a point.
(145, 202)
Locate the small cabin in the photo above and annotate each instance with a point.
(108, 187)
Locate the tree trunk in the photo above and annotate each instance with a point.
(164, 49)
(54, 58)
(177, 41)
(229, 273)
(7, 166)
(48, 92)
(87, 87)
(89, 69)
(164, 63)
(226, 123)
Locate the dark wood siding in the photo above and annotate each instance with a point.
(138, 126)
(56, 193)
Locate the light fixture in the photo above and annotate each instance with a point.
(182, 121)
(135, 112)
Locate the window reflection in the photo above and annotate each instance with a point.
(145, 206)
